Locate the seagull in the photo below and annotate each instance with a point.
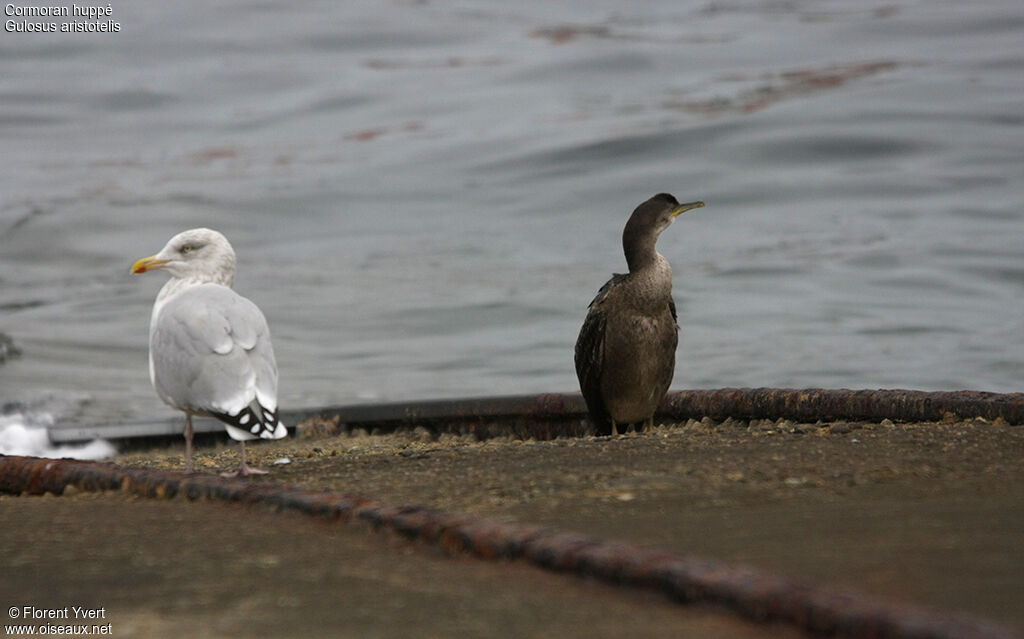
(209, 347)
(626, 350)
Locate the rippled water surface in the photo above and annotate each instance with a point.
(425, 196)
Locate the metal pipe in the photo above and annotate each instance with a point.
(818, 404)
(551, 415)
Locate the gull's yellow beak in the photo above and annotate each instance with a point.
(683, 208)
(148, 264)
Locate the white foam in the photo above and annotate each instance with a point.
(20, 435)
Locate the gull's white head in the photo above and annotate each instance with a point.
(198, 255)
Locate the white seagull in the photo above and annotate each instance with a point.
(209, 347)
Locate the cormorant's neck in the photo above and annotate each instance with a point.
(640, 248)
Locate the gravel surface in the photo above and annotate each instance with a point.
(928, 513)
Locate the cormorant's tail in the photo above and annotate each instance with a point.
(599, 415)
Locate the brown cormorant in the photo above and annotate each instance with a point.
(626, 351)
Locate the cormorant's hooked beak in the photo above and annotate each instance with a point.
(683, 208)
(150, 263)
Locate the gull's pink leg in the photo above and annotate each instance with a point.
(244, 469)
(188, 442)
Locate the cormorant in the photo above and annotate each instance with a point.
(626, 351)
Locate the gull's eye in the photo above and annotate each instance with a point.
(188, 248)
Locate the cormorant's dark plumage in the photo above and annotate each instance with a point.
(626, 351)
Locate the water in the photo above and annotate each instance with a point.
(424, 196)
